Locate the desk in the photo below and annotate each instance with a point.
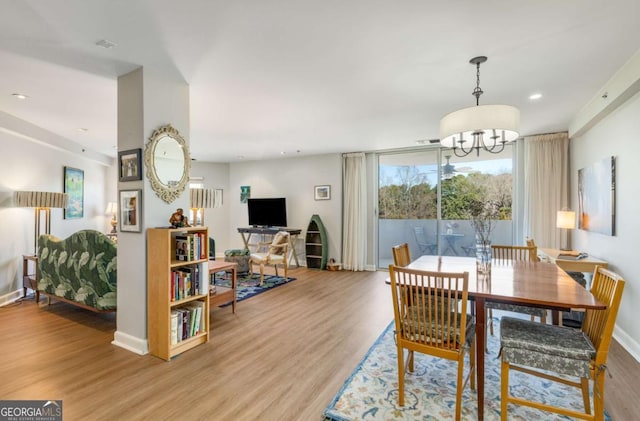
(293, 237)
(450, 242)
(537, 284)
(588, 264)
(223, 295)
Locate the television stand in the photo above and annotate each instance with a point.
(293, 236)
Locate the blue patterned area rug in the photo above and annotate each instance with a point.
(371, 392)
(248, 284)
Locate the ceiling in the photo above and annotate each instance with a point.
(298, 77)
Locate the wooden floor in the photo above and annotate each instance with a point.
(282, 356)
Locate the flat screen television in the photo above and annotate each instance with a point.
(267, 212)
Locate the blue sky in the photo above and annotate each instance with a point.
(389, 173)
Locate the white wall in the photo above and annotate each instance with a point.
(216, 176)
(616, 135)
(293, 179)
(27, 165)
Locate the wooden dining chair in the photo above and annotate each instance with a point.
(534, 253)
(428, 321)
(507, 255)
(401, 254)
(558, 350)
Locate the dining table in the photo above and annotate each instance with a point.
(536, 284)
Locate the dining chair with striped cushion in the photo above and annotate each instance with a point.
(550, 351)
(430, 312)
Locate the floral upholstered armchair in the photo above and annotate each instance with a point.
(81, 269)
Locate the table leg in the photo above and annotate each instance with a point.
(245, 240)
(480, 351)
(292, 241)
(233, 287)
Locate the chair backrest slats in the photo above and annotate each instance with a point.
(505, 254)
(430, 307)
(598, 325)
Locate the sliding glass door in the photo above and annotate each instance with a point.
(425, 198)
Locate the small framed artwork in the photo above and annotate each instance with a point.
(130, 210)
(74, 187)
(322, 192)
(130, 164)
(245, 193)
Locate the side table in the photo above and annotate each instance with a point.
(223, 295)
(30, 277)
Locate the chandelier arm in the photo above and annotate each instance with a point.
(492, 149)
(463, 154)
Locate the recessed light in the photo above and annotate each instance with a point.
(105, 43)
(20, 96)
(535, 96)
(240, 156)
(283, 153)
(82, 129)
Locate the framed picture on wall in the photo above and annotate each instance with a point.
(130, 165)
(74, 187)
(245, 193)
(322, 192)
(597, 197)
(130, 210)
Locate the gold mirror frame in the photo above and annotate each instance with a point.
(166, 192)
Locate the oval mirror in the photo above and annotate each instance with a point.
(167, 160)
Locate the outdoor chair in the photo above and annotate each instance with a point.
(425, 246)
(429, 320)
(531, 347)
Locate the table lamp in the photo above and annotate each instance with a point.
(199, 200)
(42, 202)
(565, 220)
(112, 208)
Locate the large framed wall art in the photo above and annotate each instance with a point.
(597, 197)
(74, 187)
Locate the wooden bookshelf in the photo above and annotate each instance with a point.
(162, 299)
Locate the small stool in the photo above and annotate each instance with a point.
(239, 256)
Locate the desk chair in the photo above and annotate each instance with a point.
(428, 321)
(531, 347)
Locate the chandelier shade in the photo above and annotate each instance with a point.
(494, 123)
(486, 127)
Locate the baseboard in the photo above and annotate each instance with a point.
(131, 343)
(627, 342)
(11, 297)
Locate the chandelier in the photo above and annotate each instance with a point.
(486, 127)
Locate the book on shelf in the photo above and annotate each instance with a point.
(190, 246)
(174, 327)
(187, 321)
(182, 247)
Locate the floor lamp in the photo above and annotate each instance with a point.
(199, 200)
(42, 202)
(565, 220)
